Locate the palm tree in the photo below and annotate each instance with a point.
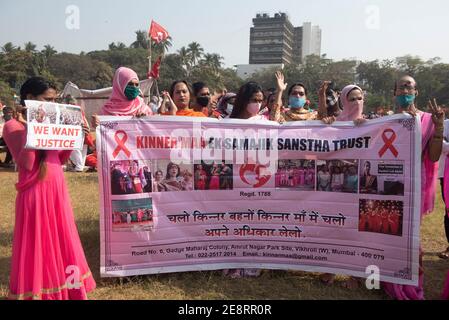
(30, 47)
(112, 46)
(196, 52)
(121, 46)
(141, 40)
(213, 61)
(163, 46)
(9, 47)
(49, 51)
(185, 57)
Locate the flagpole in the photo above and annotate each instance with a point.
(149, 71)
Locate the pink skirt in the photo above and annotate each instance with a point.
(48, 261)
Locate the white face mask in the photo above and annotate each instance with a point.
(229, 108)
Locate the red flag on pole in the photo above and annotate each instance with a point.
(158, 33)
(156, 68)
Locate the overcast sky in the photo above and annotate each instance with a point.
(362, 29)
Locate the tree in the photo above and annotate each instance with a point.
(159, 49)
(6, 94)
(213, 61)
(185, 59)
(30, 47)
(49, 51)
(141, 41)
(195, 51)
(9, 48)
(86, 72)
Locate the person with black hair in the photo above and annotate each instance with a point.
(248, 102)
(202, 98)
(297, 101)
(46, 241)
(177, 101)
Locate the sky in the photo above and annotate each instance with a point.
(361, 29)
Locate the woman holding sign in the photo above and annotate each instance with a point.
(48, 261)
(432, 123)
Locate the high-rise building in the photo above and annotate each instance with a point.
(274, 40)
(311, 40)
(271, 40)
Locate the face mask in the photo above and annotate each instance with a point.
(7, 117)
(132, 92)
(253, 108)
(405, 101)
(296, 103)
(229, 108)
(203, 101)
(356, 104)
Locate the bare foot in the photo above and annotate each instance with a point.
(327, 278)
(351, 284)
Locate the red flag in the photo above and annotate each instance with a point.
(158, 33)
(155, 70)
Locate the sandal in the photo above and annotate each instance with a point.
(327, 279)
(351, 284)
(444, 255)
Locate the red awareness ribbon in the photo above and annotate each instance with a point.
(389, 143)
(121, 144)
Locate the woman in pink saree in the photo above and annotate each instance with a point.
(432, 144)
(48, 261)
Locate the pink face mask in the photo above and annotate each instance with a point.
(357, 104)
(254, 108)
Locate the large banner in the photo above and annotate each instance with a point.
(53, 126)
(183, 194)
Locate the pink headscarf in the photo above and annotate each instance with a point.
(118, 104)
(348, 113)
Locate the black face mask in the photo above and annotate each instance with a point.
(203, 101)
(7, 117)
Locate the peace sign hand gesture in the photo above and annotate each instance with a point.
(437, 113)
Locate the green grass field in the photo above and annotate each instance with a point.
(272, 285)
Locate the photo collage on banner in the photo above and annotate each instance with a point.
(130, 179)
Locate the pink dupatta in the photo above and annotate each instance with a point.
(446, 289)
(350, 113)
(118, 104)
(429, 174)
(429, 170)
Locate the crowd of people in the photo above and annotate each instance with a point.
(381, 217)
(213, 176)
(338, 176)
(42, 191)
(296, 174)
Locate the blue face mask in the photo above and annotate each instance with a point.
(296, 103)
(132, 92)
(405, 101)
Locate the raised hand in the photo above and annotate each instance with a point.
(437, 113)
(86, 129)
(322, 92)
(280, 81)
(95, 121)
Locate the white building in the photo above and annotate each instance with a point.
(311, 40)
